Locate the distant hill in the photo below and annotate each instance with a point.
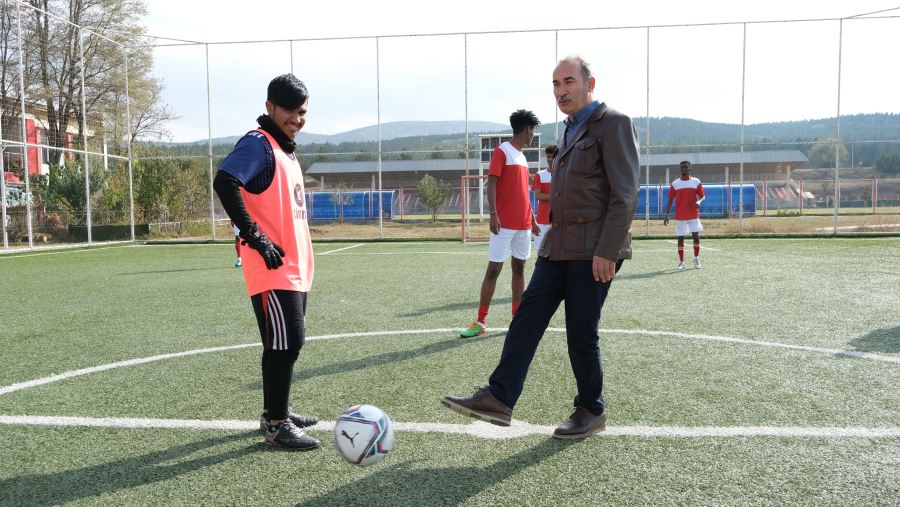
(445, 139)
(667, 130)
(397, 129)
(390, 130)
(664, 130)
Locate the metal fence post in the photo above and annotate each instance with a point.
(743, 103)
(3, 188)
(128, 146)
(378, 93)
(84, 139)
(212, 195)
(28, 207)
(837, 142)
(465, 103)
(647, 150)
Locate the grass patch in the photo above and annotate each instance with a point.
(84, 308)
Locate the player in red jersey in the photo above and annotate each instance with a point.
(688, 193)
(541, 186)
(512, 219)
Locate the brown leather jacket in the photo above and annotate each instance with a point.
(594, 191)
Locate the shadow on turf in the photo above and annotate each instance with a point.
(453, 307)
(652, 274)
(85, 483)
(400, 484)
(880, 340)
(382, 359)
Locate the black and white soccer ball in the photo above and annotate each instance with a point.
(363, 434)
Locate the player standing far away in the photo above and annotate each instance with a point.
(237, 245)
(686, 190)
(260, 186)
(512, 219)
(541, 186)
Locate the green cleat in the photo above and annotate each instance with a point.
(477, 328)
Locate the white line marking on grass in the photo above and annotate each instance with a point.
(727, 339)
(339, 249)
(857, 227)
(743, 341)
(68, 249)
(476, 429)
(701, 246)
(111, 366)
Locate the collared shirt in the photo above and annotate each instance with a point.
(580, 116)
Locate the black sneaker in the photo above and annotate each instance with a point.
(301, 421)
(289, 436)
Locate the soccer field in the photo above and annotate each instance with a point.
(129, 376)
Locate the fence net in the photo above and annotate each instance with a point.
(792, 126)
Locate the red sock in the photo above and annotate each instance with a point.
(696, 249)
(515, 307)
(681, 253)
(482, 313)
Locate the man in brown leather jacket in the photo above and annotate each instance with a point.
(592, 202)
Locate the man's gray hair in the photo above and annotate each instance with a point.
(584, 65)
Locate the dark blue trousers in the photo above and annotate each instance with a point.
(552, 283)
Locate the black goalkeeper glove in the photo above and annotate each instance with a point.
(271, 253)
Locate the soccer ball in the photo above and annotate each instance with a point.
(363, 434)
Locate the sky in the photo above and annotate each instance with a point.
(790, 71)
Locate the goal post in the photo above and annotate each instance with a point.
(474, 226)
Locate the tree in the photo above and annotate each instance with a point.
(54, 66)
(822, 154)
(887, 164)
(149, 114)
(169, 189)
(434, 194)
(66, 188)
(9, 67)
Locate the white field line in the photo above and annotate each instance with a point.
(111, 366)
(727, 339)
(339, 249)
(476, 429)
(743, 341)
(67, 249)
(856, 227)
(701, 245)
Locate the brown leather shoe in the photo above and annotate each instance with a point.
(581, 424)
(481, 405)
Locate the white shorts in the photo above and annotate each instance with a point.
(509, 241)
(237, 232)
(686, 227)
(540, 237)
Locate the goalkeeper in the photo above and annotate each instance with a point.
(261, 188)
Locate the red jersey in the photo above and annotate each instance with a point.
(513, 204)
(686, 193)
(541, 183)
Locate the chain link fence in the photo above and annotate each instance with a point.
(767, 112)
